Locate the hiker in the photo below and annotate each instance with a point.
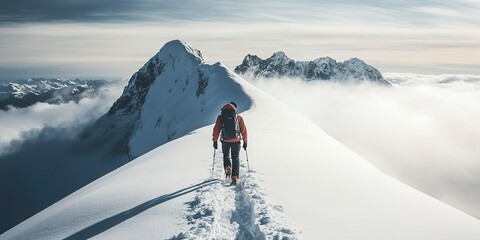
(229, 126)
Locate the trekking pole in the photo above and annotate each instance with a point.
(213, 162)
(248, 164)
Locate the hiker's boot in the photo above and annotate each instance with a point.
(228, 171)
(234, 180)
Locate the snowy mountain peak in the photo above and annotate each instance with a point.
(325, 68)
(172, 53)
(279, 55)
(327, 59)
(250, 58)
(174, 93)
(280, 58)
(356, 60)
(179, 49)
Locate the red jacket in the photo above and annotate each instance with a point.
(218, 127)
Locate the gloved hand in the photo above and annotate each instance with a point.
(215, 144)
(245, 146)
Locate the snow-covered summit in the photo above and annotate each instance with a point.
(174, 93)
(280, 65)
(180, 49)
(280, 56)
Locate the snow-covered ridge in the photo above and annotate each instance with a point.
(174, 93)
(24, 93)
(325, 68)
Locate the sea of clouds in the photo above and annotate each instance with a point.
(43, 157)
(423, 131)
(18, 124)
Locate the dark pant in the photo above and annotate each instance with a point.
(235, 152)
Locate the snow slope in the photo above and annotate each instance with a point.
(304, 185)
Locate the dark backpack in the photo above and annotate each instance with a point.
(230, 127)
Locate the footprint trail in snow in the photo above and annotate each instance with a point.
(234, 212)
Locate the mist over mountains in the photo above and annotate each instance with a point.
(42, 156)
(422, 131)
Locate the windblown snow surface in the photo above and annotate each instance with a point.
(303, 184)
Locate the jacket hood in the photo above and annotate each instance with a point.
(229, 106)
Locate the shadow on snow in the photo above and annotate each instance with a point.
(112, 221)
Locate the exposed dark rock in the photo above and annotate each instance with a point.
(326, 68)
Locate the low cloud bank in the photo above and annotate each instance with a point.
(424, 131)
(16, 122)
(43, 157)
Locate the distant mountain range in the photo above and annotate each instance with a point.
(325, 68)
(24, 93)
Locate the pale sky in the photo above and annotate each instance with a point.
(113, 39)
